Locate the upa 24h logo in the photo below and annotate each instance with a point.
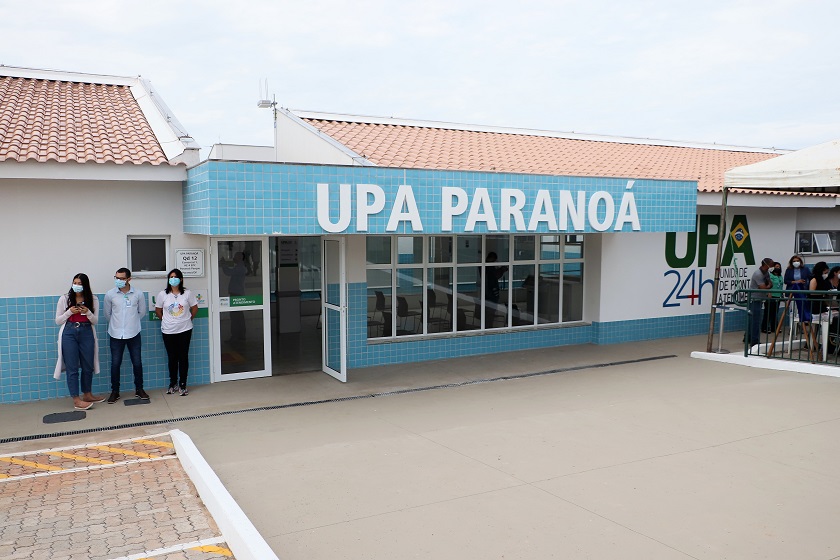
(688, 272)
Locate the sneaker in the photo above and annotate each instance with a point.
(141, 394)
(115, 396)
(183, 391)
(172, 390)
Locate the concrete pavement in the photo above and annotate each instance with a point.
(666, 458)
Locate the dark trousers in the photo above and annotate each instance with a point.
(178, 350)
(755, 321)
(118, 346)
(77, 351)
(771, 312)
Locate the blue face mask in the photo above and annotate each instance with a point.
(119, 283)
(78, 288)
(174, 281)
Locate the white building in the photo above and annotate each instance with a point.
(359, 241)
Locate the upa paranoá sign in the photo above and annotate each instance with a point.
(513, 210)
(233, 198)
(692, 269)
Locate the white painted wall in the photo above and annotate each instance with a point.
(51, 230)
(299, 143)
(817, 219)
(356, 258)
(592, 270)
(633, 282)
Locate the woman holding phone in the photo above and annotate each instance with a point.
(78, 312)
(176, 307)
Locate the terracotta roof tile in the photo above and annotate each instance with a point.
(444, 148)
(46, 120)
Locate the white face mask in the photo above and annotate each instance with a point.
(796, 264)
(825, 276)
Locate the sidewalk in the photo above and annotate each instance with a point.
(657, 459)
(120, 499)
(25, 419)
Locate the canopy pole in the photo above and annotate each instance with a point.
(722, 229)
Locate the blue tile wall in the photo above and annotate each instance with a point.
(363, 354)
(664, 327)
(28, 353)
(28, 350)
(235, 198)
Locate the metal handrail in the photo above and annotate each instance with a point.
(806, 330)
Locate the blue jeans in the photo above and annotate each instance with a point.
(118, 345)
(77, 351)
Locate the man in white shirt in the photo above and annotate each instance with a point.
(124, 309)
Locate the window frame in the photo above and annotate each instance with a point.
(149, 273)
(832, 236)
(457, 269)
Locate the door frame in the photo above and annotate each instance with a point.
(340, 307)
(216, 309)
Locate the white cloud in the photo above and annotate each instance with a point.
(736, 72)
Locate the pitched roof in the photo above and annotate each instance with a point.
(54, 120)
(425, 145)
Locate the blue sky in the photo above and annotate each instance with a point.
(753, 73)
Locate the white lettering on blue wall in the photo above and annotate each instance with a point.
(552, 210)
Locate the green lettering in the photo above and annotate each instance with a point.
(706, 237)
(671, 257)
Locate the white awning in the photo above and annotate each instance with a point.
(810, 168)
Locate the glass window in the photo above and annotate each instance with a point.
(439, 300)
(236, 272)
(378, 249)
(550, 247)
(434, 295)
(380, 315)
(573, 292)
(409, 250)
(523, 247)
(523, 291)
(469, 249)
(242, 347)
(495, 296)
(548, 293)
(574, 247)
(440, 249)
(148, 254)
(309, 254)
(468, 298)
(804, 242)
(409, 301)
(823, 243)
(498, 245)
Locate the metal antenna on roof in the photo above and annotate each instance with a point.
(266, 103)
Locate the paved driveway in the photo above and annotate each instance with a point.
(670, 458)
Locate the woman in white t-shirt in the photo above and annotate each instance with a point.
(176, 307)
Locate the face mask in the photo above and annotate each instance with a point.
(796, 264)
(777, 271)
(174, 281)
(78, 288)
(825, 276)
(119, 283)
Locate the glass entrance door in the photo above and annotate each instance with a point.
(334, 308)
(241, 317)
